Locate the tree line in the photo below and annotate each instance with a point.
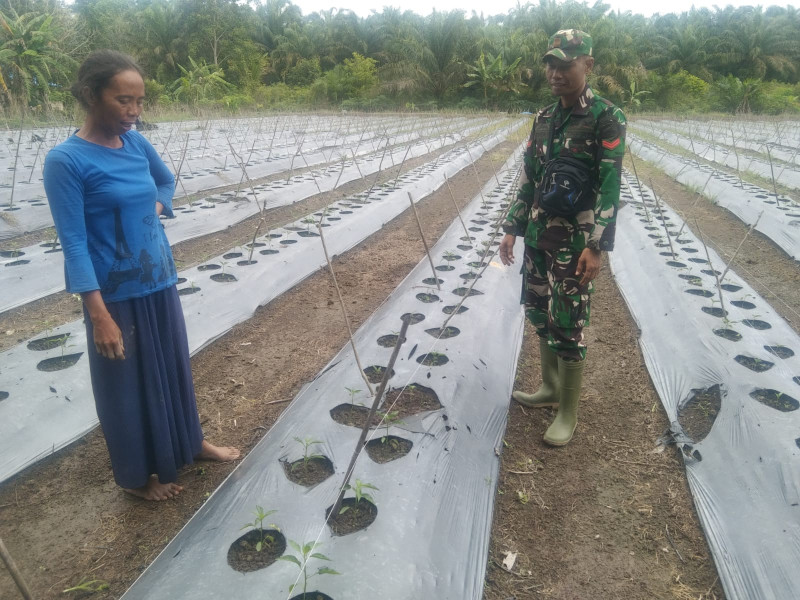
(268, 54)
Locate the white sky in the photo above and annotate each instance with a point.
(424, 7)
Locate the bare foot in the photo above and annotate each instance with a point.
(219, 453)
(155, 490)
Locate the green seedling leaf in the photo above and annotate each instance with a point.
(327, 571)
(291, 559)
(320, 556)
(296, 546)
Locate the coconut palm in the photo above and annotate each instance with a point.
(31, 60)
(202, 82)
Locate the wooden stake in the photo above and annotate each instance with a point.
(730, 262)
(424, 242)
(458, 210)
(15, 574)
(375, 403)
(344, 310)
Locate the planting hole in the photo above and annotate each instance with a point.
(780, 351)
(464, 247)
(700, 261)
(703, 293)
(743, 304)
(445, 333)
(210, 267)
(352, 415)
(188, 291)
(448, 310)
(693, 279)
(3, 395)
(432, 359)
(17, 263)
(462, 291)
(268, 251)
(698, 414)
(754, 364)
(432, 281)
(231, 255)
(411, 400)
(180, 280)
(445, 268)
(243, 556)
(245, 263)
(427, 298)
(11, 253)
(387, 448)
(775, 399)
(728, 287)
(412, 318)
(308, 473)
(714, 311)
(375, 373)
(728, 334)
(357, 516)
(756, 324)
(676, 264)
(48, 343)
(58, 363)
(223, 277)
(388, 341)
(710, 272)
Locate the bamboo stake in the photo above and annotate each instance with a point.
(730, 262)
(14, 173)
(713, 270)
(458, 210)
(639, 185)
(424, 242)
(344, 310)
(772, 172)
(694, 204)
(663, 219)
(15, 574)
(375, 403)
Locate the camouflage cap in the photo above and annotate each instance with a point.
(569, 44)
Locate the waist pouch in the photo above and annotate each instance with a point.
(567, 187)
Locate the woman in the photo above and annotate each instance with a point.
(107, 186)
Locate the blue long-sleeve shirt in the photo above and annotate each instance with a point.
(103, 202)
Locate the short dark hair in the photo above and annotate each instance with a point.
(97, 71)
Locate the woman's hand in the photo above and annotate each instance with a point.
(159, 208)
(108, 338)
(107, 335)
(506, 250)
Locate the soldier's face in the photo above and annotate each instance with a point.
(567, 79)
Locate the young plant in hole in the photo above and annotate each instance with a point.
(358, 489)
(306, 551)
(388, 419)
(307, 443)
(309, 221)
(449, 256)
(353, 393)
(258, 525)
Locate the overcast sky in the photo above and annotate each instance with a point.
(363, 8)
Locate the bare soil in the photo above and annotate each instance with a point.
(608, 516)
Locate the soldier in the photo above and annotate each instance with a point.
(566, 209)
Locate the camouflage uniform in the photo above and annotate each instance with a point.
(593, 130)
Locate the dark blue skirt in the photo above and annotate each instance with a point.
(146, 403)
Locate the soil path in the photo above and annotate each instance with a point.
(588, 521)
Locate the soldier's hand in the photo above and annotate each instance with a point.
(507, 249)
(588, 265)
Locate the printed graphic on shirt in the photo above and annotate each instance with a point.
(125, 267)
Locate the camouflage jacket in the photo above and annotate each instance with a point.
(592, 131)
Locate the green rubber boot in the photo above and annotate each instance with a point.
(547, 394)
(570, 375)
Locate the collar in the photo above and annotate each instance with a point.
(585, 101)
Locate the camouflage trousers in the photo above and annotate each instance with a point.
(555, 302)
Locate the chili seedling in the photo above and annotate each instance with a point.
(258, 525)
(306, 551)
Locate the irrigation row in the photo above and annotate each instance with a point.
(775, 216)
(727, 156)
(706, 334)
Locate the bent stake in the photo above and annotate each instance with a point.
(361, 440)
(424, 242)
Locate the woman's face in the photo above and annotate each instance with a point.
(119, 104)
